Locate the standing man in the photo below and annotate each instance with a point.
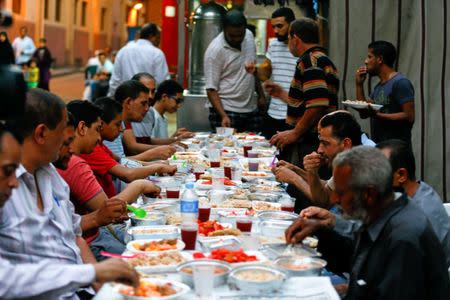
(394, 91)
(312, 94)
(44, 62)
(279, 66)
(140, 56)
(23, 47)
(229, 87)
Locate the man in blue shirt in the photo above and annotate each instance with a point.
(394, 91)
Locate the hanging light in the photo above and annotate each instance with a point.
(138, 6)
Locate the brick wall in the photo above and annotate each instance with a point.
(56, 43)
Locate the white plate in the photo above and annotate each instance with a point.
(361, 105)
(199, 185)
(181, 289)
(162, 268)
(130, 247)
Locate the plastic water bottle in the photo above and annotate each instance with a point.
(189, 204)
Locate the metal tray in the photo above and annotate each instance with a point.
(153, 232)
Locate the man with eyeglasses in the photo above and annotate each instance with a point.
(279, 66)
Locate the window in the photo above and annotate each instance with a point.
(83, 13)
(46, 8)
(103, 18)
(58, 10)
(75, 11)
(17, 6)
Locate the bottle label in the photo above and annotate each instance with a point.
(189, 206)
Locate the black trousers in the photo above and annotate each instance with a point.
(271, 126)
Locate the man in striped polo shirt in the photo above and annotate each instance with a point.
(312, 94)
(279, 66)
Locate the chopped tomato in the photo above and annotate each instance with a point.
(198, 255)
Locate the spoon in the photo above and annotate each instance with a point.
(109, 254)
(138, 212)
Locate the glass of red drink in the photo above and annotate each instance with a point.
(244, 224)
(189, 235)
(214, 164)
(173, 192)
(246, 148)
(288, 204)
(204, 212)
(252, 154)
(227, 172)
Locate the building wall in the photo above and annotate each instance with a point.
(68, 39)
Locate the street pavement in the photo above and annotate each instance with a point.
(68, 87)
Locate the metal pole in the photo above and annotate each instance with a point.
(181, 40)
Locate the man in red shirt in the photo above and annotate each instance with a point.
(87, 195)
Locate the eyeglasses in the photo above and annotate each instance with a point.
(177, 100)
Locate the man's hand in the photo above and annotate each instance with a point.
(150, 189)
(116, 270)
(284, 174)
(250, 67)
(226, 122)
(360, 75)
(310, 220)
(165, 169)
(110, 212)
(164, 152)
(312, 162)
(183, 133)
(283, 163)
(273, 89)
(284, 138)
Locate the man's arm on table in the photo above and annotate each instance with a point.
(43, 278)
(130, 174)
(132, 145)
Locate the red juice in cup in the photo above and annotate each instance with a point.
(227, 172)
(244, 225)
(253, 166)
(173, 192)
(246, 148)
(214, 164)
(198, 174)
(287, 207)
(204, 213)
(189, 235)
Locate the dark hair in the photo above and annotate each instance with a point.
(4, 129)
(306, 29)
(71, 120)
(6, 35)
(285, 12)
(343, 125)
(148, 30)
(234, 18)
(109, 107)
(129, 89)
(401, 156)
(168, 87)
(41, 107)
(85, 111)
(385, 50)
(141, 75)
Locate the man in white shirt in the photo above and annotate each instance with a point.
(229, 87)
(42, 251)
(141, 56)
(279, 66)
(23, 47)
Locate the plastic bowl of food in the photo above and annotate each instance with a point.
(300, 266)
(152, 218)
(155, 246)
(256, 279)
(151, 288)
(221, 271)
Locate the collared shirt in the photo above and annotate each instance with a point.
(144, 129)
(29, 235)
(116, 146)
(23, 49)
(225, 72)
(400, 246)
(428, 200)
(283, 67)
(137, 57)
(160, 128)
(42, 280)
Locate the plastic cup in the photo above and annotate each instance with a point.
(252, 154)
(198, 171)
(204, 281)
(227, 172)
(214, 164)
(253, 164)
(246, 148)
(173, 192)
(288, 204)
(189, 235)
(244, 224)
(204, 212)
(236, 173)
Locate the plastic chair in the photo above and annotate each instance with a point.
(90, 72)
